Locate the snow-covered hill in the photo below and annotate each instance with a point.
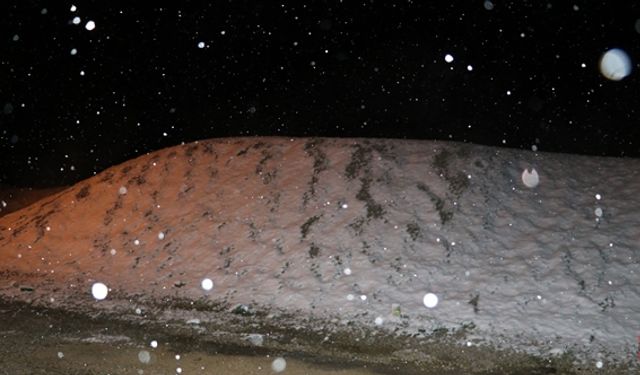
(355, 232)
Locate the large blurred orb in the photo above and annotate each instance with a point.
(99, 291)
(615, 64)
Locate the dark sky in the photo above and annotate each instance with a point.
(140, 80)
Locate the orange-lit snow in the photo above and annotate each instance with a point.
(355, 229)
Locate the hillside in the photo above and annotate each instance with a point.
(340, 240)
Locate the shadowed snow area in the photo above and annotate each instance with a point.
(346, 235)
(14, 198)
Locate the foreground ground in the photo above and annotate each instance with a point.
(43, 341)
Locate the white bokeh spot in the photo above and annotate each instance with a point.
(144, 356)
(430, 300)
(530, 179)
(207, 284)
(99, 291)
(279, 364)
(615, 64)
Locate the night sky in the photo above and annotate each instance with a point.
(76, 100)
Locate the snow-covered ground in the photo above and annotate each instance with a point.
(360, 230)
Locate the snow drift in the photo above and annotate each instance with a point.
(353, 231)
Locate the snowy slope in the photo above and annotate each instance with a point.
(358, 229)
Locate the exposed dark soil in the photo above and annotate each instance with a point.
(34, 340)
